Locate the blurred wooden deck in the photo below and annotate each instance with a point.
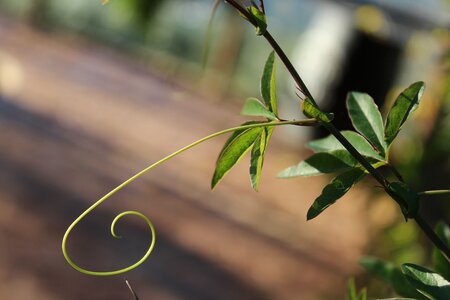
(76, 120)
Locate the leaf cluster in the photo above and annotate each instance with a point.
(413, 281)
(372, 139)
(256, 16)
(256, 139)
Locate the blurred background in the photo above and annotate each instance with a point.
(91, 94)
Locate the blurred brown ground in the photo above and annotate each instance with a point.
(77, 119)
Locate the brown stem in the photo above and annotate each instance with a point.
(432, 236)
(291, 69)
(396, 173)
(261, 6)
(242, 10)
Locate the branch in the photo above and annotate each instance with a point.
(336, 133)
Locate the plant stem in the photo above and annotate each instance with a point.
(242, 10)
(432, 236)
(435, 192)
(374, 172)
(261, 6)
(273, 43)
(329, 126)
(287, 63)
(396, 172)
(363, 161)
(295, 75)
(298, 80)
(336, 133)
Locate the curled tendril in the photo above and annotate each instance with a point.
(307, 122)
(113, 233)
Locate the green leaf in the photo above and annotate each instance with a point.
(352, 293)
(405, 197)
(392, 275)
(234, 150)
(321, 163)
(338, 187)
(268, 86)
(405, 104)
(253, 107)
(330, 143)
(257, 157)
(363, 294)
(260, 19)
(235, 134)
(431, 284)
(440, 263)
(351, 290)
(366, 119)
(310, 109)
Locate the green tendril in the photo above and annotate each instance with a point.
(113, 224)
(306, 122)
(435, 192)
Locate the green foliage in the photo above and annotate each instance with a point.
(366, 150)
(234, 150)
(405, 104)
(331, 156)
(338, 187)
(351, 154)
(310, 109)
(321, 163)
(352, 293)
(430, 284)
(366, 119)
(268, 85)
(392, 275)
(258, 138)
(415, 281)
(260, 19)
(406, 197)
(330, 143)
(257, 157)
(254, 107)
